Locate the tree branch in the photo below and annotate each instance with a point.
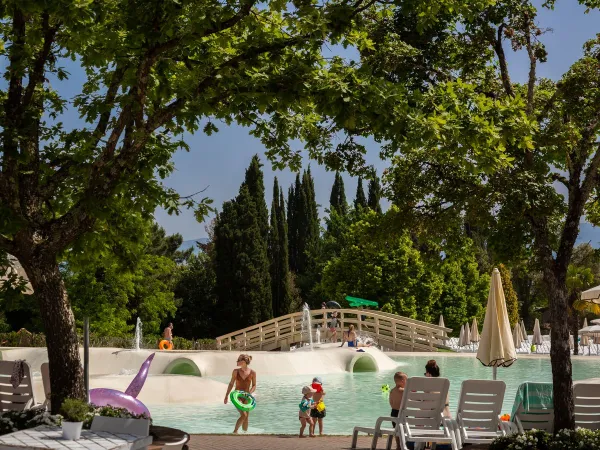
(109, 99)
(37, 73)
(558, 177)
(499, 49)
(532, 71)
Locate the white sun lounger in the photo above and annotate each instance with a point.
(11, 398)
(478, 415)
(539, 417)
(587, 405)
(420, 419)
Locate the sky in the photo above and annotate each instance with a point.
(217, 163)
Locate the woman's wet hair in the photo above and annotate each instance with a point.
(245, 358)
(351, 327)
(432, 368)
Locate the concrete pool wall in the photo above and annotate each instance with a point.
(179, 376)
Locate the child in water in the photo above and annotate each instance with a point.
(400, 379)
(318, 412)
(306, 405)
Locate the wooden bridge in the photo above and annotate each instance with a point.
(390, 331)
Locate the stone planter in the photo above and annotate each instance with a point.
(136, 427)
(71, 430)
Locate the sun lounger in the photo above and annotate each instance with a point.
(533, 408)
(587, 405)
(478, 414)
(420, 419)
(45, 370)
(17, 398)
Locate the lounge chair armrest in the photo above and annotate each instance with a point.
(382, 419)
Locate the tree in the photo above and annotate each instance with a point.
(512, 302)
(360, 201)
(255, 181)
(196, 315)
(243, 282)
(337, 199)
(293, 217)
(278, 254)
(471, 145)
(173, 66)
(374, 196)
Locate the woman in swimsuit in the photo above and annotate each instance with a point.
(244, 379)
(350, 337)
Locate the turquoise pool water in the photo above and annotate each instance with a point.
(352, 398)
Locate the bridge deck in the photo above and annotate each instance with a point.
(390, 331)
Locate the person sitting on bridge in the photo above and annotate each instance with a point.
(352, 339)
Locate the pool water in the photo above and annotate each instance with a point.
(352, 398)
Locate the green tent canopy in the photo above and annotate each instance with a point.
(356, 302)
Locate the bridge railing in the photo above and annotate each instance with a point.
(391, 331)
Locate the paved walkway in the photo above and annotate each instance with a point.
(284, 442)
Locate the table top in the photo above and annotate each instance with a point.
(45, 437)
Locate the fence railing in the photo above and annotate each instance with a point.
(389, 330)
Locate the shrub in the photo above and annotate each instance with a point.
(110, 411)
(540, 440)
(74, 410)
(12, 421)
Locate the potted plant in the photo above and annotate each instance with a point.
(111, 418)
(74, 412)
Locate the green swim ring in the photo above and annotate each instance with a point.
(243, 401)
(385, 388)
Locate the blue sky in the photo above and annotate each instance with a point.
(218, 162)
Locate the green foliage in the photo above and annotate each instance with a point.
(195, 291)
(243, 282)
(113, 291)
(337, 199)
(11, 421)
(374, 196)
(512, 302)
(542, 440)
(360, 201)
(278, 254)
(74, 410)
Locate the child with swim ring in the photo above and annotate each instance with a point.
(306, 405)
(319, 411)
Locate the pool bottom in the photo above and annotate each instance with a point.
(351, 398)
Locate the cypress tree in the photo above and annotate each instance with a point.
(374, 195)
(337, 199)
(360, 202)
(512, 302)
(278, 254)
(293, 215)
(255, 181)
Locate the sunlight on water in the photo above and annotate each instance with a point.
(352, 399)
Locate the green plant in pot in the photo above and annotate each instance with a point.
(74, 412)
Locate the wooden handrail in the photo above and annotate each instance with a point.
(401, 330)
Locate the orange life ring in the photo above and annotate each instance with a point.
(165, 345)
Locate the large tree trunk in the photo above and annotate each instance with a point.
(560, 353)
(574, 315)
(66, 373)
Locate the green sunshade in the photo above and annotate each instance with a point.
(354, 301)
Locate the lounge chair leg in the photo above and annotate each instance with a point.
(389, 442)
(374, 442)
(354, 438)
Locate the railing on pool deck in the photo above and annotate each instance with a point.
(389, 330)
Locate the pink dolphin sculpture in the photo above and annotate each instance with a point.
(127, 399)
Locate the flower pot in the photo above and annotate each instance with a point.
(71, 430)
(137, 427)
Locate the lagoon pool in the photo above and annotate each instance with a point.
(353, 398)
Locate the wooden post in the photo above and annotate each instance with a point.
(260, 336)
(412, 338)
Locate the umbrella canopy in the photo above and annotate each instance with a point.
(537, 333)
(496, 348)
(595, 321)
(332, 304)
(355, 302)
(516, 335)
(524, 330)
(14, 269)
(584, 339)
(474, 331)
(441, 323)
(467, 335)
(461, 336)
(592, 329)
(592, 295)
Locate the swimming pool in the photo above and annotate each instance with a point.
(353, 398)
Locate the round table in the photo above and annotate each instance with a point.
(162, 436)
